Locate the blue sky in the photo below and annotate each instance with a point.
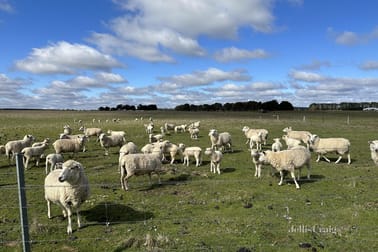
(78, 54)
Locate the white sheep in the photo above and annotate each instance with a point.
(64, 136)
(322, 146)
(180, 128)
(140, 164)
(67, 129)
(155, 138)
(194, 132)
(291, 142)
(277, 145)
(119, 132)
(192, 151)
(256, 138)
(374, 151)
(70, 145)
(171, 149)
(255, 154)
(215, 159)
(36, 152)
(149, 128)
(248, 132)
(16, 146)
(68, 188)
(169, 126)
(126, 149)
(196, 124)
(288, 160)
(111, 141)
(53, 159)
(46, 140)
(2, 149)
(220, 140)
(301, 135)
(91, 132)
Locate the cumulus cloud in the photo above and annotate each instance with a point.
(315, 65)
(65, 58)
(236, 54)
(369, 65)
(305, 76)
(350, 38)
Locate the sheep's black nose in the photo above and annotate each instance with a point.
(61, 179)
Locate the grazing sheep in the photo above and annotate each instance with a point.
(169, 126)
(255, 154)
(222, 140)
(288, 160)
(193, 151)
(277, 145)
(301, 135)
(16, 146)
(194, 132)
(196, 124)
(120, 132)
(171, 149)
(155, 138)
(64, 136)
(91, 132)
(46, 140)
(149, 128)
(215, 159)
(67, 129)
(126, 149)
(248, 132)
(291, 142)
(69, 188)
(322, 146)
(70, 145)
(374, 151)
(53, 159)
(180, 128)
(36, 152)
(111, 141)
(256, 138)
(140, 164)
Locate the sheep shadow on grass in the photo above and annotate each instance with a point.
(109, 213)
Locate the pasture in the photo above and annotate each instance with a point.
(193, 209)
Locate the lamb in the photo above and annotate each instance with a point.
(291, 142)
(70, 145)
(68, 188)
(288, 160)
(111, 141)
(171, 149)
(91, 132)
(30, 152)
(193, 151)
(53, 159)
(67, 129)
(169, 126)
(302, 135)
(194, 132)
(16, 146)
(248, 132)
(46, 140)
(374, 151)
(277, 145)
(140, 164)
(322, 146)
(215, 159)
(120, 132)
(221, 140)
(180, 128)
(255, 154)
(256, 138)
(149, 128)
(196, 124)
(155, 138)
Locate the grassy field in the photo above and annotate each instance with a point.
(194, 210)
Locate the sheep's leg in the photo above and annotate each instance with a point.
(338, 160)
(48, 209)
(295, 181)
(299, 174)
(37, 161)
(318, 159)
(218, 168)
(282, 175)
(349, 160)
(172, 158)
(78, 218)
(69, 226)
(26, 163)
(123, 180)
(308, 171)
(159, 181)
(326, 159)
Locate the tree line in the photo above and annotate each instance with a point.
(121, 107)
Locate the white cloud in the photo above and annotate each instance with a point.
(236, 54)
(369, 65)
(305, 76)
(65, 58)
(350, 38)
(315, 65)
(6, 6)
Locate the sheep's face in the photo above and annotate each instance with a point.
(208, 151)
(245, 129)
(374, 146)
(213, 132)
(287, 129)
(70, 171)
(255, 154)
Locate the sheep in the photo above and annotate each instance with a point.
(149, 128)
(67, 129)
(111, 141)
(277, 145)
(2, 149)
(127, 148)
(46, 140)
(193, 151)
(255, 154)
(155, 138)
(257, 138)
(196, 124)
(194, 132)
(169, 126)
(171, 149)
(180, 128)
(120, 132)
(291, 142)
(91, 132)
(53, 159)
(248, 132)
(215, 159)
(16, 146)
(322, 146)
(68, 188)
(288, 160)
(30, 152)
(64, 136)
(70, 145)
(221, 140)
(302, 135)
(374, 151)
(140, 164)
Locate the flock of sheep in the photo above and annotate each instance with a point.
(67, 185)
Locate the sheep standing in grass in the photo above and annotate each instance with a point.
(220, 140)
(169, 126)
(193, 151)
(374, 151)
(70, 145)
(288, 160)
(69, 188)
(291, 142)
(171, 149)
(67, 129)
(16, 146)
(119, 132)
(194, 132)
(91, 132)
(140, 164)
(256, 138)
(300, 135)
(255, 154)
(248, 132)
(149, 127)
(277, 145)
(106, 142)
(45, 141)
(155, 138)
(36, 152)
(180, 128)
(53, 159)
(215, 159)
(322, 146)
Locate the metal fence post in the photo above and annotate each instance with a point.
(22, 203)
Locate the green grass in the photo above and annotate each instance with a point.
(194, 210)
